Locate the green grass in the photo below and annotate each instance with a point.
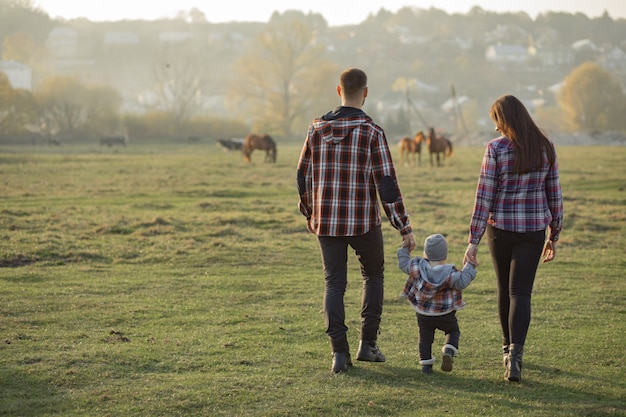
(164, 281)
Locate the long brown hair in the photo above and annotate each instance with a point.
(513, 121)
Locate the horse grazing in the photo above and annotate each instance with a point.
(264, 143)
(113, 140)
(412, 147)
(438, 145)
(231, 144)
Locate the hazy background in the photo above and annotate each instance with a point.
(202, 73)
(335, 13)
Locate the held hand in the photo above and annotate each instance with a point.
(549, 251)
(408, 241)
(470, 255)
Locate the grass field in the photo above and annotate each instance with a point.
(179, 281)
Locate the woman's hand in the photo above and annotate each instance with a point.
(470, 255)
(549, 251)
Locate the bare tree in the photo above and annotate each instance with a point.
(70, 108)
(183, 80)
(284, 77)
(61, 105)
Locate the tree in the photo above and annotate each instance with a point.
(570, 27)
(102, 106)
(6, 93)
(193, 15)
(592, 99)
(603, 29)
(18, 47)
(24, 48)
(183, 80)
(72, 109)
(285, 78)
(23, 16)
(17, 109)
(61, 104)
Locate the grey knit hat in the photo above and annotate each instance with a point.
(436, 247)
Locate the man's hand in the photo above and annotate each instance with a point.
(408, 241)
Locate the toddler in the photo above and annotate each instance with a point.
(434, 289)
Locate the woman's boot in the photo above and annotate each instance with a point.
(505, 355)
(514, 365)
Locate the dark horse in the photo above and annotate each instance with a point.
(231, 144)
(438, 145)
(264, 143)
(412, 147)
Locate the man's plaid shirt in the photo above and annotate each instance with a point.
(344, 165)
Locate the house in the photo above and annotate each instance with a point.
(504, 54)
(19, 75)
(553, 56)
(506, 35)
(584, 45)
(614, 60)
(555, 89)
(454, 103)
(62, 42)
(174, 37)
(120, 38)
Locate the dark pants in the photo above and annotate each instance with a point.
(427, 326)
(369, 251)
(515, 258)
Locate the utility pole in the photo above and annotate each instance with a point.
(458, 116)
(412, 106)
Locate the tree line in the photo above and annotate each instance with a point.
(285, 71)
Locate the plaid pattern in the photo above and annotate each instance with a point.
(429, 299)
(512, 202)
(344, 162)
(433, 291)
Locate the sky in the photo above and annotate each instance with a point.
(335, 12)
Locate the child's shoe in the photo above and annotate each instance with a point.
(427, 365)
(449, 352)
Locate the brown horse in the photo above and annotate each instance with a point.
(264, 143)
(412, 147)
(438, 145)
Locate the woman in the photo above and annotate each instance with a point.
(518, 198)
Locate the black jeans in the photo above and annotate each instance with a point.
(369, 251)
(427, 326)
(515, 258)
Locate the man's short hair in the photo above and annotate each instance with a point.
(352, 81)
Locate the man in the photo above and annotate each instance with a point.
(344, 165)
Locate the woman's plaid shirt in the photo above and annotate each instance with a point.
(345, 163)
(513, 202)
